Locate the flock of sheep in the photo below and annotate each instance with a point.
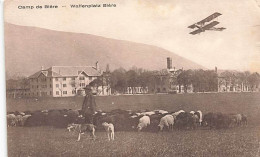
(128, 120)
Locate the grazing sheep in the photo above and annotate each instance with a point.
(167, 121)
(185, 120)
(175, 114)
(163, 112)
(217, 120)
(18, 120)
(148, 113)
(109, 127)
(23, 120)
(199, 114)
(192, 112)
(143, 122)
(11, 120)
(244, 120)
(236, 119)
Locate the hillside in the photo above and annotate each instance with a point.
(29, 48)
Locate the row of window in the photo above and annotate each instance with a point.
(63, 78)
(50, 93)
(42, 86)
(65, 92)
(57, 85)
(40, 93)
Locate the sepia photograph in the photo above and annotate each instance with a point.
(132, 78)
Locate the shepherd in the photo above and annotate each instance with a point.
(89, 105)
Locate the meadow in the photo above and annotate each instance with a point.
(49, 141)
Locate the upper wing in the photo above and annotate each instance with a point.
(209, 18)
(210, 25)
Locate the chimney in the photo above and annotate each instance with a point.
(97, 66)
(169, 63)
(42, 68)
(216, 70)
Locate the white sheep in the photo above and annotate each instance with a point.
(143, 122)
(167, 121)
(200, 116)
(175, 114)
(163, 112)
(148, 113)
(24, 118)
(109, 127)
(192, 112)
(11, 120)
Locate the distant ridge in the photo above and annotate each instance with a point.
(29, 48)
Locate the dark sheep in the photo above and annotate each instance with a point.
(37, 119)
(244, 120)
(185, 120)
(57, 119)
(154, 122)
(217, 120)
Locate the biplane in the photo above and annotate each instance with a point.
(204, 25)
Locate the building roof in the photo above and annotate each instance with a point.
(67, 71)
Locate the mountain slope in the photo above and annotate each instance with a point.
(29, 48)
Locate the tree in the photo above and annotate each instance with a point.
(253, 80)
(185, 79)
(118, 80)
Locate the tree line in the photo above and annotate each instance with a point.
(202, 80)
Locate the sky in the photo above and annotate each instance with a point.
(163, 24)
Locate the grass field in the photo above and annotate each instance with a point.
(47, 141)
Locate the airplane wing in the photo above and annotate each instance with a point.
(209, 18)
(207, 27)
(210, 25)
(219, 29)
(196, 31)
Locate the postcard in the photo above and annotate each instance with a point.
(132, 78)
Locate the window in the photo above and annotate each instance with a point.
(32, 86)
(64, 79)
(81, 78)
(37, 86)
(64, 92)
(50, 85)
(43, 79)
(90, 78)
(64, 85)
(57, 85)
(56, 79)
(57, 93)
(50, 79)
(72, 85)
(82, 84)
(73, 78)
(44, 86)
(73, 92)
(50, 92)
